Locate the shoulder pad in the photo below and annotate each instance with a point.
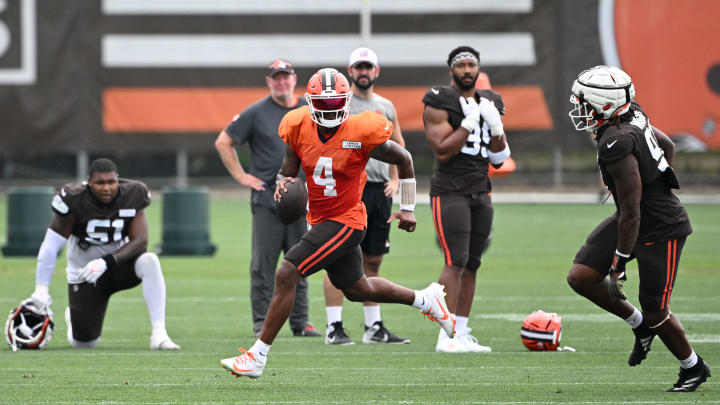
(291, 121)
(443, 98)
(371, 128)
(614, 145)
(136, 193)
(67, 197)
(494, 97)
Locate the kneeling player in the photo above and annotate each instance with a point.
(104, 224)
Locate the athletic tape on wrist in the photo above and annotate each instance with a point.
(407, 194)
(498, 157)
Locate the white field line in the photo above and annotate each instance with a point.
(407, 402)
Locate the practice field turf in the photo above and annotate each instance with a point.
(208, 315)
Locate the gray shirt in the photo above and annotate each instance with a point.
(258, 125)
(377, 171)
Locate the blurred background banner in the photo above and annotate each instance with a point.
(152, 82)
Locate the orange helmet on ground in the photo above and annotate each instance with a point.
(328, 95)
(541, 331)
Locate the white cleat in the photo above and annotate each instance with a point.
(162, 342)
(245, 365)
(471, 343)
(437, 310)
(450, 345)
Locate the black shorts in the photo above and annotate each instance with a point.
(462, 225)
(379, 208)
(88, 303)
(657, 262)
(331, 246)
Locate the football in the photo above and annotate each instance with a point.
(292, 203)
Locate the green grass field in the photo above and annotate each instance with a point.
(208, 315)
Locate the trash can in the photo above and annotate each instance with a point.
(28, 218)
(186, 222)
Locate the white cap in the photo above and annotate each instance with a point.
(363, 55)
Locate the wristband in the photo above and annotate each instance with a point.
(407, 194)
(498, 157)
(110, 260)
(619, 261)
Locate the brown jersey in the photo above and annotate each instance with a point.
(97, 223)
(467, 172)
(662, 216)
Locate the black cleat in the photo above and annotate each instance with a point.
(336, 335)
(643, 339)
(309, 330)
(691, 378)
(378, 333)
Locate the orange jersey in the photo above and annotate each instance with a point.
(335, 170)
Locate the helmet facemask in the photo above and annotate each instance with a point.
(329, 110)
(583, 116)
(28, 328)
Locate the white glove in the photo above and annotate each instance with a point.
(491, 115)
(93, 270)
(41, 299)
(472, 113)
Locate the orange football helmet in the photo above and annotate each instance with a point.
(541, 331)
(328, 95)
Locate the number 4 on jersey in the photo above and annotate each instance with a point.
(327, 180)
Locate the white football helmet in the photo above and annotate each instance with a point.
(28, 328)
(598, 95)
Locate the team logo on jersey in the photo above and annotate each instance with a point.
(351, 144)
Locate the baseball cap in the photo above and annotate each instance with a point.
(280, 65)
(363, 55)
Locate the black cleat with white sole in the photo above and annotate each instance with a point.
(691, 378)
(378, 333)
(643, 339)
(336, 335)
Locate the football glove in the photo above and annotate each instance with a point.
(93, 270)
(472, 113)
(617, 277)
(41, 299)
(491, 115)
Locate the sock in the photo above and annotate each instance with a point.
(421, 302)
(635, 319)
(158, 327)
(461, 323)
(372, 315)
(261, 349)
(334, 314)
(147, 269)
(690, 362)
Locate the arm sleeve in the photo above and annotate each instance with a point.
(47, 256)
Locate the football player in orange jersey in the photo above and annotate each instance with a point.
(333, 149)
